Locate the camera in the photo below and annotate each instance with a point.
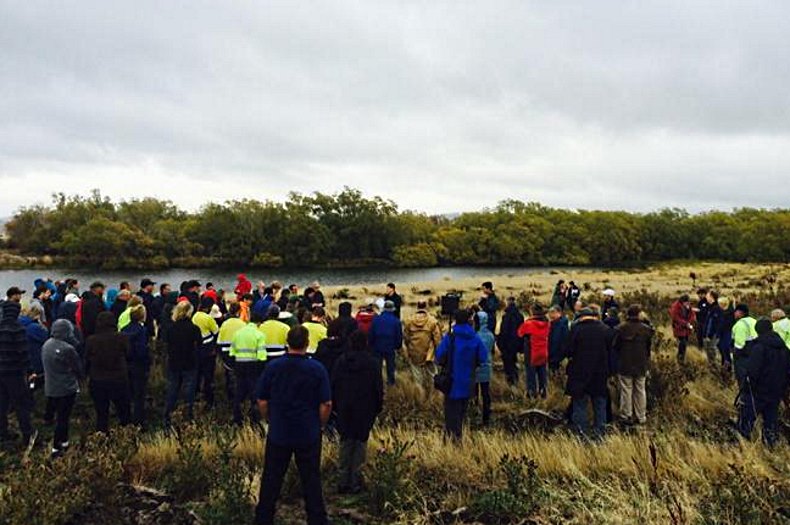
(451, 302)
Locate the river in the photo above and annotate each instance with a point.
(227, 279)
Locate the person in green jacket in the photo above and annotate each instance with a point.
(248, 351)
(781, 325)
(743, 333)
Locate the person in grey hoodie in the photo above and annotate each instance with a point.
(63, 372)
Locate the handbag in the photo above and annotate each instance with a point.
(443, 380)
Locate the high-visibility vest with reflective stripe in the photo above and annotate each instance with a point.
(317, 334)
(276, 334)
(744, 331)
(208, 328)
(227, 331)
(782, 327)
(248, 345)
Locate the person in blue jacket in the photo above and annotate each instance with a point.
(468, 352)
(386, 338)
(138, 362)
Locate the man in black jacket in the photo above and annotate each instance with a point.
(589, 348)
(14, 366)
(632, 342)
(92, 306)
(508, 341)
(146, 293)
(767, 367)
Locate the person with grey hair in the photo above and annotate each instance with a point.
(781, 325)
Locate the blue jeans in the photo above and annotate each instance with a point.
(579, 415)
(175, 381)
(536, 380)
(747, 417)
(389, 358)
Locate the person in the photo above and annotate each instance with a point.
(573, 295)
(207, 354)
(306, 302)
(294, 395)
(348, 325)
(42, 302)
(393, 296)
(120, 303)
(483, 371)
(316, 326)
(159, 302)
(183, 346)
(276, 333)
(631, 346)
(139, 362)
(421, 335)
(146, 293)
(36, 334)
(227, 331)
(589, 347)
(781, 325)
(284, 299)
(90, 308)
(725, 333)
(609, 301)
(125, 318)
(465, 351)
(331, 347)
(683, 318)
(317, 298)
(106, 354)
(612, 318)
(358, 398)
(743, 335)
(766, 369)
(245, 304)
(248, 351)
(489, 303)
(243, 286)
(714, 317)
(14, 365)
(364, 318)
(386, 338)
(166, 318)
(63, 372)
(508, 340)
(559, 295)
(261, 306)
(14, 295)
(559, 330)
(701, 313)
(535, 332)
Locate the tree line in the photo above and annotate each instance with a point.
(349, 229)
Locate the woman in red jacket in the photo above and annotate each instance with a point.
(683, 319)
(535, 332)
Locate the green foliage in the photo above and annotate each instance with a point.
(391, 471)
(347, 227)
(230, 497)
(191, 475)
(521, 496)
(746, 497)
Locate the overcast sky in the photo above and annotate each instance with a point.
(440, 106)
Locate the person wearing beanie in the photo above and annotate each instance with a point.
(386, 338)
(766, 368)
(683, 318)
(631, 346)
(207, 355)
(743, 334)
(535, 332)
(781, 325)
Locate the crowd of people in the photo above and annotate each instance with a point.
(285, 359)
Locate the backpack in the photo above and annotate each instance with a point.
(443, 380)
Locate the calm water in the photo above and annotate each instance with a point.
(227, 279)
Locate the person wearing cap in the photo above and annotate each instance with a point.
(14, 366)
(183, 345)
(316, 327)
(781, 325)
(14, 295)
(422, 335)
(589, 353)
(146, 293)
(743, 335)
(631, 346)
(139, 361)
(91, 306)
(535, 332)
(683, 319)
(207, 354)
(275, 332)
(766, 369)
(508, 341)
(248, 350)
(397, 300)
(489, 303)
(386, 338)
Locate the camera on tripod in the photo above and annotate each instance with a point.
(451, 302)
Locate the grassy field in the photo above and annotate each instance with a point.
(687, 465)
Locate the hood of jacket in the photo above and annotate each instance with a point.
(420, 318)
(464, 331)
(106, 323)
(771, 340)
(63, 330)
(344, 310)
(10, 311)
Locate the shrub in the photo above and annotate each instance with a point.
(741, 496)
(190, 476)
(230, 496)
(391, 469)
(520, 497)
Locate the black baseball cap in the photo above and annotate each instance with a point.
(146, 282)
(14, 291)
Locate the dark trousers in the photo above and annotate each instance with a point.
(536, 381)
(389, 359)
(105, 392)
(682, 344)
(510, 360)
(579, 414)
(247, 374)
(352, 457)
(747, 417)
(15, 392)
(176, 380)
(454, 415)
(138, 380)
(483, 390)
(63, 406)
(308, 463)
(206, 366)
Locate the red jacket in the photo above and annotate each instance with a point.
(537, 328)
(364, 321)
(244, 287)
(682, 317)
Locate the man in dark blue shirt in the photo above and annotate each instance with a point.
(294, 395)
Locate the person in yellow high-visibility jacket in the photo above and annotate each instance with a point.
(230, 327)
(276, 333)
(743, 333)
(248, 351)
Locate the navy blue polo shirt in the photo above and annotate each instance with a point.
(295, 386)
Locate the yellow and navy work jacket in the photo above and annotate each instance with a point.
(317, 333)
(227, 331)
(208, 331)
(276, 333)
(249, 345)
